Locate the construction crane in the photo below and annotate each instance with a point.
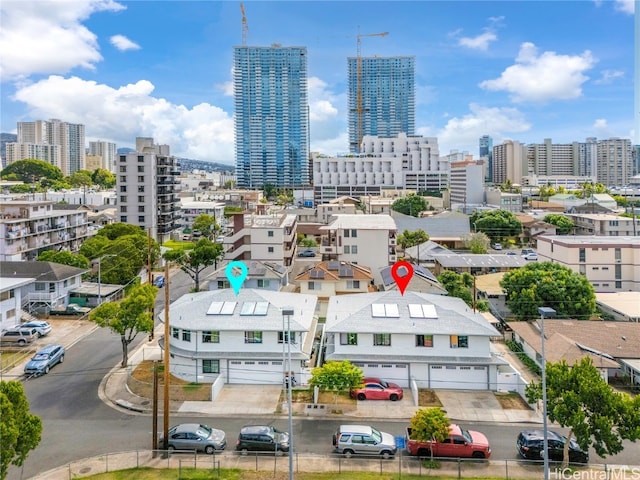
(245, 26)
(359, 109)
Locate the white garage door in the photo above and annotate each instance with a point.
(258, 372)
(391, 372)
(458, 377)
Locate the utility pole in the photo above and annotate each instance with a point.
(154, 430)
(166, 351)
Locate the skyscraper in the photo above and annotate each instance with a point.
(272, 116)
(615, 162)
(382, 98)
(108, 152)
(486, 154)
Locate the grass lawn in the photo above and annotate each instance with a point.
(226, 474)
(177, 245)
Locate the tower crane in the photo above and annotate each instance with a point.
(245, 26)
(359, 109)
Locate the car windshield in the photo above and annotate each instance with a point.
(466, 435)
(384, 384)
(376, 435)
(41, 356)
(203, 431)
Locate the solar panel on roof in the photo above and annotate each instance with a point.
(333, 265)
(345, 271)
(228, 308)
(261, 308)
(221, 308)
(248, 308)
(385, 310)
(391, 310)
(377, 310)
(214, 308)
(316, 273)
(415, 311)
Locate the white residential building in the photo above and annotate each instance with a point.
(604, 224)
(107, 151)
(467, 182)
(434, 340)
(11, 300)
(368, 240)
(267, 238)
(609, 263)
(615, 161)
(190, 210)
(386, 163)
(221, 337)
(147, 188)
(509, 162)
(29, 227)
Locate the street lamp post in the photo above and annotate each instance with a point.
(545, 312)
(286, 314)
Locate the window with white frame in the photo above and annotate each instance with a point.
(210, 366)
(210, 336)
(382, 339)
(252, 337)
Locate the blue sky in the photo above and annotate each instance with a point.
(521, 70)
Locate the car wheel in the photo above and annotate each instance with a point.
(424, 452)
(393, 397)
(61, 359)
(46, 369)
(21, 343)
(477, 455)
(362, 396)
(348, 453)
(209, 450)
(385, 454)
(171, 448)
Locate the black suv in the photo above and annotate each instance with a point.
(530, 446)
(262, 438)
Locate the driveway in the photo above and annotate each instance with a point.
(239, 400)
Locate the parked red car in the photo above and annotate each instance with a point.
(377, 389)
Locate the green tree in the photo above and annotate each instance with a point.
(115, 230)
(540, 284)
(458, 285)
(229, 184)
(128, 317)
(563, 224)
(81, 178)
(31, 171)
(207, 225)
(496, 224)
(307, 242)
(336, 377)
(412, 205)
(429, 425)
(229, 210)
(412, 238)
(95, 246)
(596, 415)
(477, 242)
(194, 261)
(65, 258)
(104, 178)
(270, 191)
(20, 431)
(21, 188)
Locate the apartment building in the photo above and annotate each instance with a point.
(604, 224)
(364, 239)
(35, 138)
(266, 238)
(610, 263)
(29, 227)
(271, 116)
(504, 200)
(190, 210)
(381, 97)
(467, 182)
(550, 158)
(615, 161)
(402, 162)
(107, 152)
(485, 150)
(146, 183)
(509, 162)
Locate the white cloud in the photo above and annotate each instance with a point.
(542, 78)
(608, 76)
(123, 44)
(481, 42)
(48, 37)
(462, 133)
(625, 6)
(203, 132)
(601, 128)
(320, 100)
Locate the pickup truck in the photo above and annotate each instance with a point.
(461, 443)
(71, 309)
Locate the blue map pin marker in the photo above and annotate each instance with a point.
(236, 281)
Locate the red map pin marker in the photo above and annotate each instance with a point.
(402, 272)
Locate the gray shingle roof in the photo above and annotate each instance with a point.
(41, 271)
(190, 311)
(353, 313)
